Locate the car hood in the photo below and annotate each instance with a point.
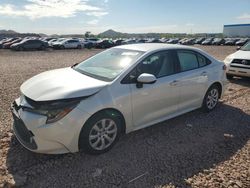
(240, 54)
(65, 83)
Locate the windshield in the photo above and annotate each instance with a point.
(246, 47)
(109, 64)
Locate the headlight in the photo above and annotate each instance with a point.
(228, 60)
(54, 112)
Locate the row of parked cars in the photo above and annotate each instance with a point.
(34, 43)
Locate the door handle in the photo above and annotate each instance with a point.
(204, 73)
(174, 83)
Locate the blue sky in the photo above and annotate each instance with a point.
(138, 16)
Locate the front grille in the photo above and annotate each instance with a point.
(24, 135)
(241, 61)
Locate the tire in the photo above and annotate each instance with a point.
(20, 48)
(62, 47)
(42, 47)
(79, 47)
(211, 98)
(94, 128)
(229, 76)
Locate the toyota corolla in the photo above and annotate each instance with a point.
(90, 105)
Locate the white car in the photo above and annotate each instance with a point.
(67, 44)
(89, 105)
(238, 63)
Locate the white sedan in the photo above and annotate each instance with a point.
(89, 105)
(238, 63)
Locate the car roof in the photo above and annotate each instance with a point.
(147, 47)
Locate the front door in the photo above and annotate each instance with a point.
(153, 102)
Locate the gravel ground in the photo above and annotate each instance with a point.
(194, 150)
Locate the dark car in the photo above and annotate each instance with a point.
(30, 44)
(141, 41)
(104, 44)
(218, 41)
(8, 44)
(241, 42)
(188, 41)
(118, 42)
(208, 41)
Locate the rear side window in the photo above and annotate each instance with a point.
(188, 61)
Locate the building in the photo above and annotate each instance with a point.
(237, 30)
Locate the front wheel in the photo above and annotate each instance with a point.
(211, 98)
(100, 133)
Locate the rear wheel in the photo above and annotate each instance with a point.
(20, 48)
(100, 133)
(79, 47)
(42, 47)
(211, 98)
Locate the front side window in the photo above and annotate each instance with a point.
(188, 60)
(109, 64)
(159, 64)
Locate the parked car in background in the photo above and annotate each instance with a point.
(8, 44)
(30, 44)
(141, 41)
(129, 41)
(7, 40)
(90, 105)
(118, 42)
(199, 40)
(218, 41)
(104, 44)
(189, 41)
(94, 41)
(173, 41)
(208, 41)
(242, 42)
(230, 41)
(154, 41)
(67, 44)
(238, 63)
(87, 44)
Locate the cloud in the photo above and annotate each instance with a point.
(97, 14)
(35, 9)
(244, 16)
(93, 22)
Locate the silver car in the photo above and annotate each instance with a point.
(89, 105)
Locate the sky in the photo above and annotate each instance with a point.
(132, 16)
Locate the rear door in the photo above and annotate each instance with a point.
(192, 78)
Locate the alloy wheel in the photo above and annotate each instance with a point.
(212, 98)
(102, 134)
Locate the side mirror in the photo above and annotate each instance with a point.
(238, 48)
(145, 78)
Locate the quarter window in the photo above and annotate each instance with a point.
(202, 60)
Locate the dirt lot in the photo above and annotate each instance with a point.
(196, 149)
